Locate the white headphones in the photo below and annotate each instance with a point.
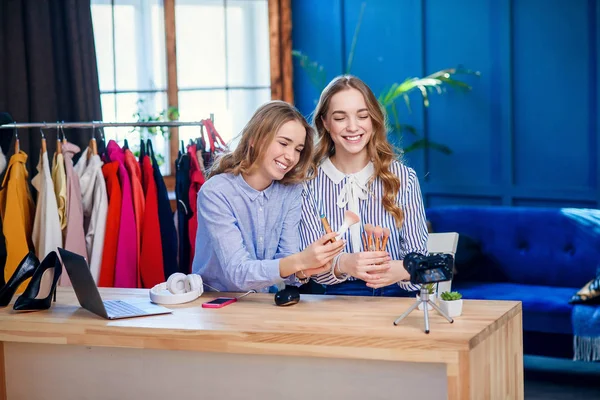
(179, 288)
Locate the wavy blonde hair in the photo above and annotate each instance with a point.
(379, 149)
(256, 137)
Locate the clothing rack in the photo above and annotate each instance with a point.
(93, 125)
(100, 124)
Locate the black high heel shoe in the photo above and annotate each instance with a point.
(25, 270)
(37, 296)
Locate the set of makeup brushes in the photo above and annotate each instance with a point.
(375, 237)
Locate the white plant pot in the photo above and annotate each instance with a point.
(452, 308)
(432, 297)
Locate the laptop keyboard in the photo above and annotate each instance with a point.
(118, 308)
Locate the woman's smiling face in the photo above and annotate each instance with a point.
(284, 151)
(348, 122)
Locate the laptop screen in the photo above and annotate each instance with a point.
(83, 283)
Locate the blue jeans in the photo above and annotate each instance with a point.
(360, 288)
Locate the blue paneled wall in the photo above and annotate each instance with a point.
(527, 133)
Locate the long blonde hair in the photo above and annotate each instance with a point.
(256, 137)
(379, 150)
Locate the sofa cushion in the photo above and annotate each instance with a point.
(545, 308)
(535, 246)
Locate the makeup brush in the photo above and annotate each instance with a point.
(364, 239)
(326, 226)
(378, 233)
(350, 219)
(319, 212)
(386, 235)
(369, 231)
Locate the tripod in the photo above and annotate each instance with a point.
(424, 298)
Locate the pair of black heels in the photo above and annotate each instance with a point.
(41, 288)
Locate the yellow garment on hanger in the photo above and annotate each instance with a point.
(16, 210)
(59, 177)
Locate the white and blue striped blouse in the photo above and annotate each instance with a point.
(332, 192)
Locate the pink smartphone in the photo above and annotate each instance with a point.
(219, 302)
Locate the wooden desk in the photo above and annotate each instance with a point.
(338, 347)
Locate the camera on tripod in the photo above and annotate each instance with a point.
(429, 269)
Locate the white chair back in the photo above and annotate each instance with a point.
(445, 242)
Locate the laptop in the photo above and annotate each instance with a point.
(89, 297)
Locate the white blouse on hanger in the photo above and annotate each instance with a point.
(95, 208)
(46, 235)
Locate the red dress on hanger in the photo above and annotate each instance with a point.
(151, 256)
(113, 219)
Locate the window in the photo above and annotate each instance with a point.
(222, 64)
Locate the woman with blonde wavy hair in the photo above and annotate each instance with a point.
(355, 169)
(249, 208)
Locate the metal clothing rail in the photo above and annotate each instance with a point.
(99, 124)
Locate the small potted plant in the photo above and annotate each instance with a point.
(432, 295)
(451, 303)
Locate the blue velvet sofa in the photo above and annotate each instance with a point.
(540, 256)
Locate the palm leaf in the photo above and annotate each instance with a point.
(385, 96)
(435, 82)
(408, 128)
(427, 144)
(355, 39)
(314, 70)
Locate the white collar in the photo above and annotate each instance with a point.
(353, 190)
(337, 176)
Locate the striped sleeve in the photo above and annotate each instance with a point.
(414, 231)
(329, 278)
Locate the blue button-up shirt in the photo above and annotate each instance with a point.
(243, 232)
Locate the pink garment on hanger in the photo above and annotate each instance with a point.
(126, 265)
(196, 182)
(74, 234)
(135, 174)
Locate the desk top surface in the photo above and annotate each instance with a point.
(320, 326)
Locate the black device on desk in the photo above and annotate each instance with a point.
(424, 270)
(429, 269)
(288, 296)
(89, 297)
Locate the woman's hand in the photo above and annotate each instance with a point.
(313, 259)
(320, 252)
(394, 274)
(367, 265)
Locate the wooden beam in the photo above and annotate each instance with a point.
(172, 88)
(280, 44)
(276, 78)
(286, 50)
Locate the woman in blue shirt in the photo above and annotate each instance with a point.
(356, 169)
(250, 207)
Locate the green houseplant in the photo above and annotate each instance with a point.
(149, 132)
(432, 295)
(437, 82)
(451, 303)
